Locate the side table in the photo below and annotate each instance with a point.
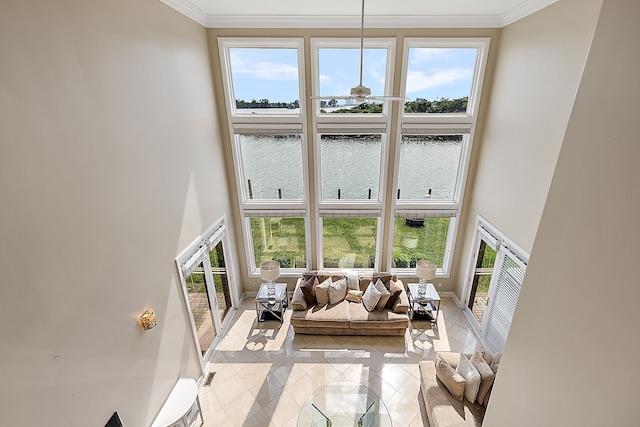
(427, 303)
(275, 304)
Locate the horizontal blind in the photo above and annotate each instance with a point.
(274, 213)
(266, 129)
(192, 263)
(422, 129)
(421, 214)
(351, 213)
(503, 300)
(373, 128)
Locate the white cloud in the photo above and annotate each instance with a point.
(268, 71)
(420, 55)
(418, 80)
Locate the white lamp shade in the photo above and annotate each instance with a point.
(270, 270)
(426, 269)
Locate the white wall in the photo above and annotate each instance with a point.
(570, 359)
(110, 166)
(539, 62)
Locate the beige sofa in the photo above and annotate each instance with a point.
(445, 410)
(347, 317)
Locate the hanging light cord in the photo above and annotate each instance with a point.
(361, 41)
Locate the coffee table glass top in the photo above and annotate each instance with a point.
(344, 403)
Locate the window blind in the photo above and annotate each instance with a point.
(420, 214)
(266, 129)
(504, 297)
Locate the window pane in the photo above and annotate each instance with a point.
(280, 239)
(439, 80)
(349, 242)
(350, 166)
(265, 80)
(271, 166)
(200, 307)
(339, 71)
(416, 239)
(429, 163)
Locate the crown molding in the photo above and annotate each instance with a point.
(189, 10)
(525, 8)
(370, 21)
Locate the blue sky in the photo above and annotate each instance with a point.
(273, 73)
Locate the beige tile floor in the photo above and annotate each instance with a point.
(264, 372)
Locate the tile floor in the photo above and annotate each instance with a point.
(264, 372)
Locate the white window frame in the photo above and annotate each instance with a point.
(388, 43)
(197, 252)
(227, 43)
(439, 124)
(504, 247)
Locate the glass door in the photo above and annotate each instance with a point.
(201, 307)
(220, 280)
(479, 298)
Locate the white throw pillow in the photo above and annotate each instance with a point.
(471, 378)
(384, 294)
(322, 292)
(337, 291)
(371, 297)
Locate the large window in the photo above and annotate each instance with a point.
(318, 172)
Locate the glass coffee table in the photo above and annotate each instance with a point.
(342, 404)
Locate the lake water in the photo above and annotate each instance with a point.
(351, 165)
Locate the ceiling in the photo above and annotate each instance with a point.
(346, 13)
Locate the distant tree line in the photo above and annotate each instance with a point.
(420, 105)
(265, 103)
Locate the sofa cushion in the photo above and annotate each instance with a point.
(330, 316)
(309, 290)
(384, 294)
(377, 319)
(322, 292)
(471, 378)
(337, 291)
(486, 376)
(371, 297)
(453, 381)
(354, 296)
(297, 300)
(395, 289)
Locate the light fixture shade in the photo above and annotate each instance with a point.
(148, 319)
(426, 269)
(270, 270)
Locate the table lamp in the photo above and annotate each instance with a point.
(270, 271)
(425, 270)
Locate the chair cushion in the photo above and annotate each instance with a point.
(486, 376)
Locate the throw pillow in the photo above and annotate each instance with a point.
(453, 381)
(371, 297)
(486, 376)
(309, 290)
(352, 280)
(395, 289)
(384, 294)
(337, 291)
(493, 360)
(471, 378)
(354, 296)
(298, 303)
(322, 292)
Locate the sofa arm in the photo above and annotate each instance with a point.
(401, 305)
